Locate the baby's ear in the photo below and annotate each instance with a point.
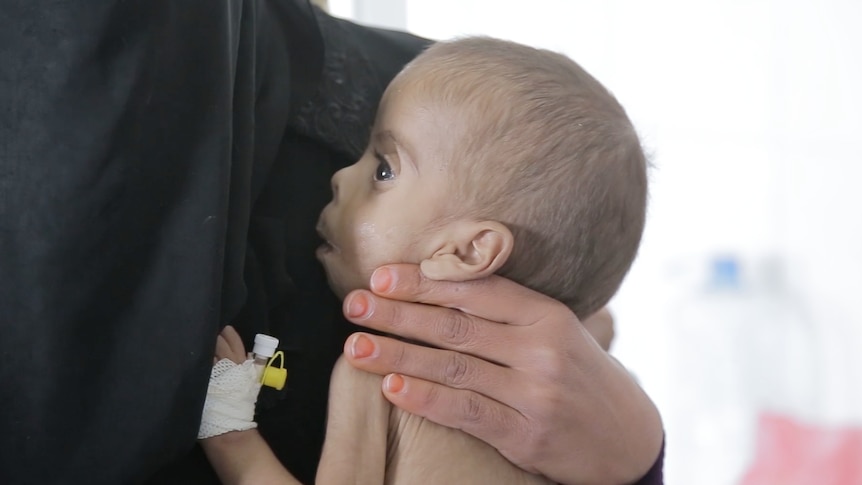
(472, 250)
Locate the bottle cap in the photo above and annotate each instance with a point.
(274, 377)
(264, 345)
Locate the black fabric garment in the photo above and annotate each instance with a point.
(162, 166)
(142, 144)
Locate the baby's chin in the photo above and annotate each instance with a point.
(342, 278)
(339, 291)
(342, 284)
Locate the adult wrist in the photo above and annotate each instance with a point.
(643, 434)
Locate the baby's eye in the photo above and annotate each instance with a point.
(383, 172)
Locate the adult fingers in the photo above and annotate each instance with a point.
(489, 420)
(437, 326)
(493, 298)
(383, 355)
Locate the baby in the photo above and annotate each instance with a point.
(486, 157)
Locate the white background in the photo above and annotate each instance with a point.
(752, 114)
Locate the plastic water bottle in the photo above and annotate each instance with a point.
(740, 346)
(710, 424)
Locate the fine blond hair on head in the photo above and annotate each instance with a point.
(544, 148)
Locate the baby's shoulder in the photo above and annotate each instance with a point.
(421, 451)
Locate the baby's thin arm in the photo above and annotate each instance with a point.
(356, 429)
(601, 326)
(242, 457)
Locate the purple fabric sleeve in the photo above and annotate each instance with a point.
(655, 475)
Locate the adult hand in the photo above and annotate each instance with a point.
(510, 366)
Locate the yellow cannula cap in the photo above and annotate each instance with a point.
(273, 376)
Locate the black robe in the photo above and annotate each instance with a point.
(162, 166)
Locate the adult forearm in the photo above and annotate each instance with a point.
(638, 426)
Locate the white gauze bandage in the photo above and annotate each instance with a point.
(231, 397)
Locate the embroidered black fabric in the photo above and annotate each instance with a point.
(342, 111)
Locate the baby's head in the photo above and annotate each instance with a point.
(493, 157)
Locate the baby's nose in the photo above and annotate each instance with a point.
(334, 182)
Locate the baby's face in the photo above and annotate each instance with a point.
(385, 206)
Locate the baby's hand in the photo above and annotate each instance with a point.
(232, 392)
(229, 346)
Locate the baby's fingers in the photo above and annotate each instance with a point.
(229, 346)
(222, 350)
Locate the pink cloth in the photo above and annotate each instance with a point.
(793, 453)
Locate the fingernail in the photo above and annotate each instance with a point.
(393, 383)
(357, 305)
(361, 347)
(382, 280)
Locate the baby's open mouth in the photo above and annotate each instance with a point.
(325, 245)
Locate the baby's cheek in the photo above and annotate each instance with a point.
(354, 271)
